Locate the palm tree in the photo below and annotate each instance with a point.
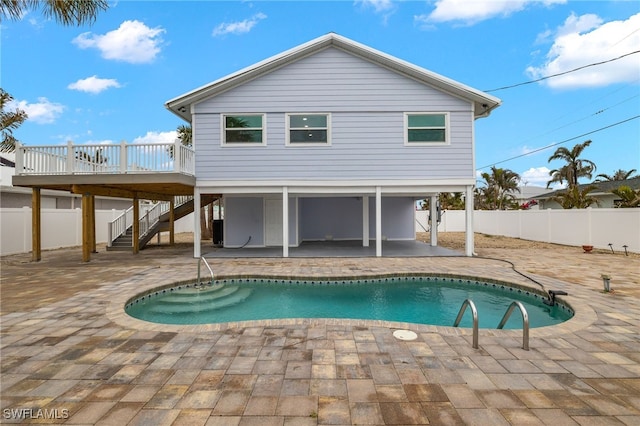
(628, 197)
(9, 121)
(618, 175)
(575, 167)
(67, 12)
(500, 187)
(576, 198)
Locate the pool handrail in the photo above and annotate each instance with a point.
(525, 322)
(474, 314)
(202, 259)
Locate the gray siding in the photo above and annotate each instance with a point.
(367, 103)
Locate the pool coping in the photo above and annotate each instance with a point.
(115, 310)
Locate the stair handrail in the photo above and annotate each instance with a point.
(118, 226)
(474, 313)
(202, 259)
(525, 322)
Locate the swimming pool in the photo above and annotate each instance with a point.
(419, 300)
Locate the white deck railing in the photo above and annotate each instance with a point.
(119, 158)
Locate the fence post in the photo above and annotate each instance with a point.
(589, 227)
(69, 157)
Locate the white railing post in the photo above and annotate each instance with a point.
(177, 155)
(123, 156)
(19, 159)
(70, 157)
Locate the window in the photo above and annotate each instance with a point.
(308, 129)
(426, 128)
(243, 129)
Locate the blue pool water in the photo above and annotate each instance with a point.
(422, 300)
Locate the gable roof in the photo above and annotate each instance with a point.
(600, 187)
(483, 103)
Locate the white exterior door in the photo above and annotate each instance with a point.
(273, 222)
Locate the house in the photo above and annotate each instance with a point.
(331, 140)
(602, 193)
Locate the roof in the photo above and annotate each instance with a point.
(483, 102)
(601, 187)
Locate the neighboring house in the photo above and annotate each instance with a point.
(602, 193)
(18, 197)
(331, 140)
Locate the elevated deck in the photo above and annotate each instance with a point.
(157, 172)
(144, 171)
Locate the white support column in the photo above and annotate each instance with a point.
(365, 221)
(433, 216)
(469, 240)
(196, 223)
(378, 221)
(285, 221)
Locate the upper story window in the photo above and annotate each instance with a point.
(426, 128)
(308, 129)
(246, 129)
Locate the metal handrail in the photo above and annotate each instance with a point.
(525, 322)
(474, 314)
(202, 259)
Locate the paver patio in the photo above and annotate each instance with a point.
(68, 348)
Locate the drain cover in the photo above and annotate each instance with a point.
(405, 335)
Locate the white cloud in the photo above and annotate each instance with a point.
(584, 40)
(132, 42)
(537, 176)
(94, 84)
(41, 112)
(239, 27)
(378, 6)
(157, 137)
(473, 11)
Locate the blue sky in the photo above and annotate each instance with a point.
(109, 81)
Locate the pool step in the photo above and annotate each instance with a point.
(192, 295)
(237, 296)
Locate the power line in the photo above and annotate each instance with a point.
(561, 142)
(562, 73)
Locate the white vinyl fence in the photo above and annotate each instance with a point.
(60, 228)
(575, 227)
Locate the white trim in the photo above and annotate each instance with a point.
(365, 221)
(275, 186)
(285, 222)
(447, 128)
(469, 237)
(197, 232)
(225, 144)
(304, 144)
(378, 222)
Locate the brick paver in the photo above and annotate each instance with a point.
(68, 347)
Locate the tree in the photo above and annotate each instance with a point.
(575, 167)
(576, 198)
(618, 175)
(9, 120)
(67, 12)
(501, 184)
(628, 197)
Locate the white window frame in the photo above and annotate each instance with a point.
(447, 127)
(303, 144)
(223, 133)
